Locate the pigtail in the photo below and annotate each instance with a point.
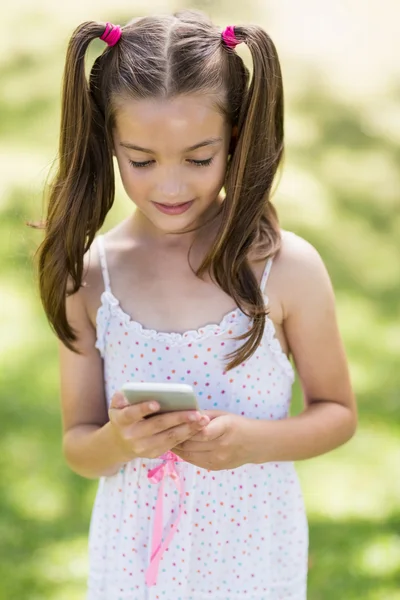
(82, 192)
(187, 54)
(249, 221)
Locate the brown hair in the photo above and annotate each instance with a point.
(164, 57)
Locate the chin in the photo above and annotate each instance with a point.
(175, 225)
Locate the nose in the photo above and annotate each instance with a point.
(171, 186)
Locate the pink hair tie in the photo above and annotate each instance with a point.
(229, 37)
(111, 34)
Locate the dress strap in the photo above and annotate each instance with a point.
(103, 262)
(266, 273)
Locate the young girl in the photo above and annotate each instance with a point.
(197, 286)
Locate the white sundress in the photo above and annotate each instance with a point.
(236, 534)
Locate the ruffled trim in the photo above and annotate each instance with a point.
(102, 320)
(171, 338)
(111, 306)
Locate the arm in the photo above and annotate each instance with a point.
(88, 440)
(97, 441)
(329, 418)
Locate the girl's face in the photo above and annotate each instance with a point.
(171, 152)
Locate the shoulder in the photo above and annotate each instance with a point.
(300, 272)
(113, 248)
(311, 324)
(297, 253)
(92, 270)
(92, 281)
(80, 304)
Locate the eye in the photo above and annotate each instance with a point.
(202, 163)
(139, 165)
(197, 163)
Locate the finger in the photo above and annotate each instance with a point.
(203, 460)
(191, 446)
(160, 423)
(214, 430)
(174, 436)
(118, 400)
(213, 414)
(129, 414)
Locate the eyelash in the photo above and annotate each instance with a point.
(197, 163)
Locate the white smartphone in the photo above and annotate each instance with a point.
(171, 397)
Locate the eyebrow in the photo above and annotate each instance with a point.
(209, 142)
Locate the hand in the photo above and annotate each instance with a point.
(149, 438)
(220, 445)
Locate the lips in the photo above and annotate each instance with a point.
(169, 205)
(173, 209)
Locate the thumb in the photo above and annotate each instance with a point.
(213, 414)
(118, 401)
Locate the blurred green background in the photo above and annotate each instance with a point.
(340, 190)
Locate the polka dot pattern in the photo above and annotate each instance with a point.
(243, 534)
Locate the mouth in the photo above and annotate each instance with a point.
(173, 209)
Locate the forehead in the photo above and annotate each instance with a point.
(184, 119)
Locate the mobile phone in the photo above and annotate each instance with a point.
(171, 397)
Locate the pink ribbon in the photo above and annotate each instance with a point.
(157, 475)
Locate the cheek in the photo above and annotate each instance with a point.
(133, 180)
(124, 170)
(209, 180)
(203, 180)
(216, 178)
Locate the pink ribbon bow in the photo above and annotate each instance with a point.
(158, 547)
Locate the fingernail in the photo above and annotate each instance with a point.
(153, 406)
(120, 398)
